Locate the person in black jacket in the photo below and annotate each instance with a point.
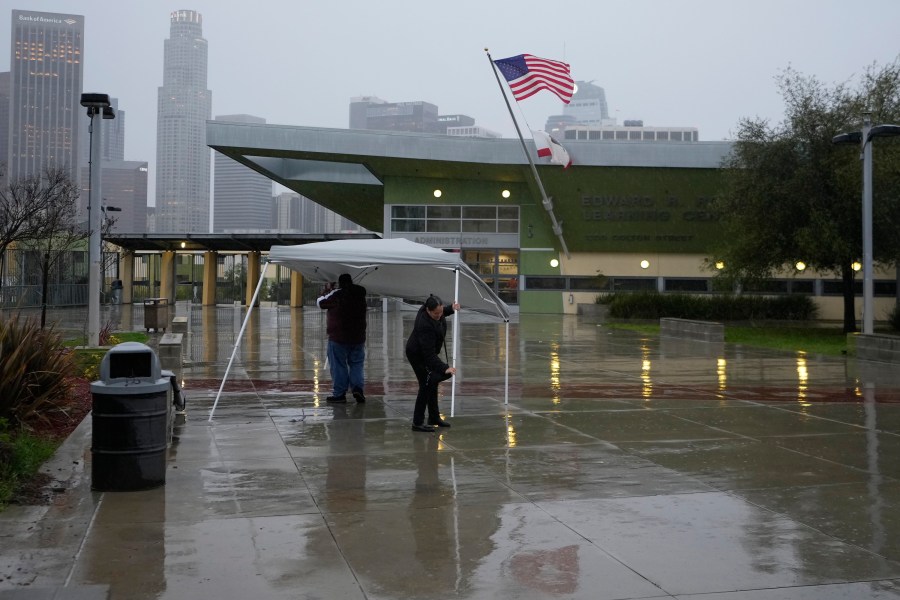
(423, 353)
(346, 328)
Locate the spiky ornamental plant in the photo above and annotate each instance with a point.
(35, 371)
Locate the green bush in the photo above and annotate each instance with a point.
(894, 319)
(21, 455)
(35, 371)
(652, 305)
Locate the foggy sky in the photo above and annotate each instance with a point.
(694, 63)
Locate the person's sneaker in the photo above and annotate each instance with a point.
(425, 428)
(359, 396)
(439, 423)
(336, 399)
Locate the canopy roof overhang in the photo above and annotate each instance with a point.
(345, 170)
(222, 242)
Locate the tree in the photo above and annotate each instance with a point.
(21, 203)
(792, 195)
(55, 232)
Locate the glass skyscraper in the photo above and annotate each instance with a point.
(184, 105)
(242, 198)
(45, 85)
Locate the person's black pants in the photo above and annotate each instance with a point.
(428, 393)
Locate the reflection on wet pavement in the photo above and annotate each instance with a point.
(623, 467)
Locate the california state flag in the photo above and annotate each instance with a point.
(547, 146)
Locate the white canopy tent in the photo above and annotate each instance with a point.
(395, 268)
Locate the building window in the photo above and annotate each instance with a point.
(589, 284)
(633, 284)
(686, 285)
(455, 219)
(545, 283)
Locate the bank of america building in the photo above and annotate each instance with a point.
(46, 69)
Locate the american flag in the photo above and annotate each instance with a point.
(527, 75)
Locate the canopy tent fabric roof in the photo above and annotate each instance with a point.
(394, 267)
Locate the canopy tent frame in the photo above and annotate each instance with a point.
(364, 268)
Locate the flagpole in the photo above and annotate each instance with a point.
(546, 201)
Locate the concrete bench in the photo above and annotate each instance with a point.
(701, 331)
(877, 347)
(179, 325)
(169, 352)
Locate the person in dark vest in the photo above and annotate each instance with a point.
(346, 328)
(423, 353)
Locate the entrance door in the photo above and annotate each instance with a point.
(499, 268)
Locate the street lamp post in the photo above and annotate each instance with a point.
(864, 137)
(98, 108)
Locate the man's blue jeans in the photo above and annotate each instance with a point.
(346, 362)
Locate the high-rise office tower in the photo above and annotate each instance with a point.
(4, 121)
(296, 213)
(588, 105)
(124, 185)
(242, 198)
(371, 112)
(184, 105)
(112, 132)
(46, 73)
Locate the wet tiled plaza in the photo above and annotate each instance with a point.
(622, 466)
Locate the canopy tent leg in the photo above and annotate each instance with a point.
(506, 378)
(237, 342)
(455, 346)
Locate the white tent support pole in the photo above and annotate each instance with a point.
(237, 342)
(506, 379)
(455, 345)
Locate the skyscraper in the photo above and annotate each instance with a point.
(46, 73)
(124, 185)
(4, 121)
(242, 198)
(113, 133)
(183, 107)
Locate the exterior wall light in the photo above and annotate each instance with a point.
(183, 245)
(720, 265)
(800, 266)
(856, 266)
(554, 263)
(645, 264)
(437, 193)
(505, 193)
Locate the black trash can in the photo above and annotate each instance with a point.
(129, 420)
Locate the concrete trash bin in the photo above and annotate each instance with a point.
(129, 420)
(156, 314)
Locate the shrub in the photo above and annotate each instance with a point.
(21, 455)
(652, 305)
(894, 318)
(35, 371)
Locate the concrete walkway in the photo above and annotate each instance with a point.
(622, 467)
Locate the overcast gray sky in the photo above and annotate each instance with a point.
(700, 63)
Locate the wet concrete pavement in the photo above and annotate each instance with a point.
(623, 467)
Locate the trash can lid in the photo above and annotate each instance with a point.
(131, 361)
